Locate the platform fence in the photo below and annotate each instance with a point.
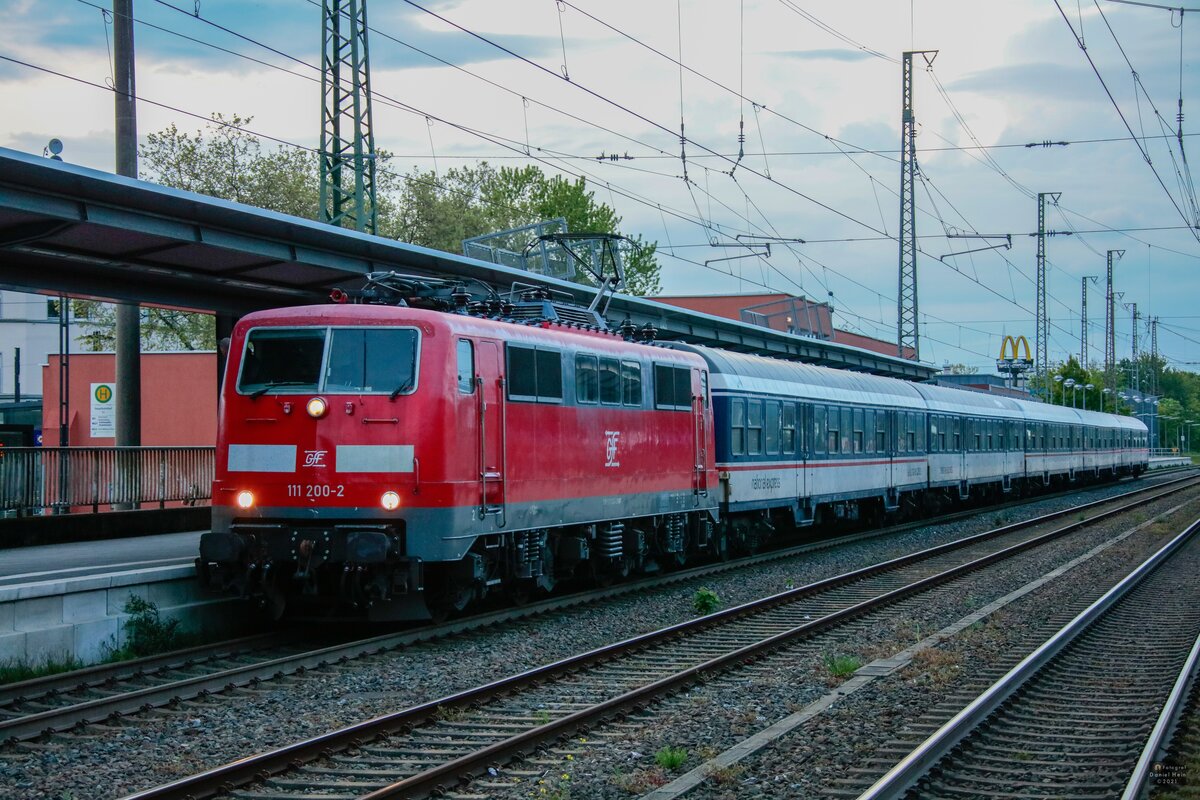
(47, 480)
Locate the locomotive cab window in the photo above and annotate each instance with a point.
(371, 360)
(357, 360)
(288, 357)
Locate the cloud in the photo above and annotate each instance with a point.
(830, 54)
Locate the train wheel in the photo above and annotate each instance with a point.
(445, 596)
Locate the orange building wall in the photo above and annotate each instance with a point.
(179, 398)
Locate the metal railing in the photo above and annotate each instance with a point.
(40, 480)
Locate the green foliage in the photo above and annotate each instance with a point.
(671, 758)
(13, 671)
(841, 666)
(706, 601)
(440, 210)
(146, 632)
(1179, 391)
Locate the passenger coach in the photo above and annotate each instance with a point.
(819, 442)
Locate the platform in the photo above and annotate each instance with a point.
(66, 600)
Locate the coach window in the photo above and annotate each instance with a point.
(881, 431)
(856, 426)
(832, 430)
(818, 429)
(737, 427)
(704, 387)
(754, 427)
(631, 383)
(466, 367)
(587, 386)
(847, 430)
(869, 430)
(914, 424)
(787, 429)
(771, 428)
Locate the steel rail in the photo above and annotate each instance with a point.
(917, 764)
(99, 709)
(1164, 728)
(258, 767)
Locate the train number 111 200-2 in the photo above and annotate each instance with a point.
(315, 490)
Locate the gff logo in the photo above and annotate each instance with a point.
(314, 458)
(611, 448)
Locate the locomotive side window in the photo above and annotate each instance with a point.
(587, 380)
(282, 357)
(549, 376)
(683, 389)
(534, 374)
(610, 381)
(631, 383)
(672, 387)
(522, 373)
(466, 367)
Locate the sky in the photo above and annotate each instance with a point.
(814, 85)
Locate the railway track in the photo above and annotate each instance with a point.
(43, 706)
(1085, 711)
(433, 747)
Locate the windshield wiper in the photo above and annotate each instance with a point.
(404, 387)
(272, 384)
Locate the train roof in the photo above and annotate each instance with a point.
(544, 333)
(775, 376)
(746, 372)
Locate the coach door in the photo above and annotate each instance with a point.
(700, 405)
(492, 427)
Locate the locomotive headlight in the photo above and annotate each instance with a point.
(317, 407)
(245, 499)
(390, 501)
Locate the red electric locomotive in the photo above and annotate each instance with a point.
(389, 461)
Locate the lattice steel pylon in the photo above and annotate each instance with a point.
(1154, 356)
(347, 155)
(1042, 340)
(1110, 320)
(907, 339)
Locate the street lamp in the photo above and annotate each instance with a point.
(1069, 383)
(1057, 379)
(1105, 391)
(1086, 389)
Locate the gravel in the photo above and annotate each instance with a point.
(157, 747)
(842, 751)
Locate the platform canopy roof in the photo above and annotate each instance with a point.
(65, 228)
